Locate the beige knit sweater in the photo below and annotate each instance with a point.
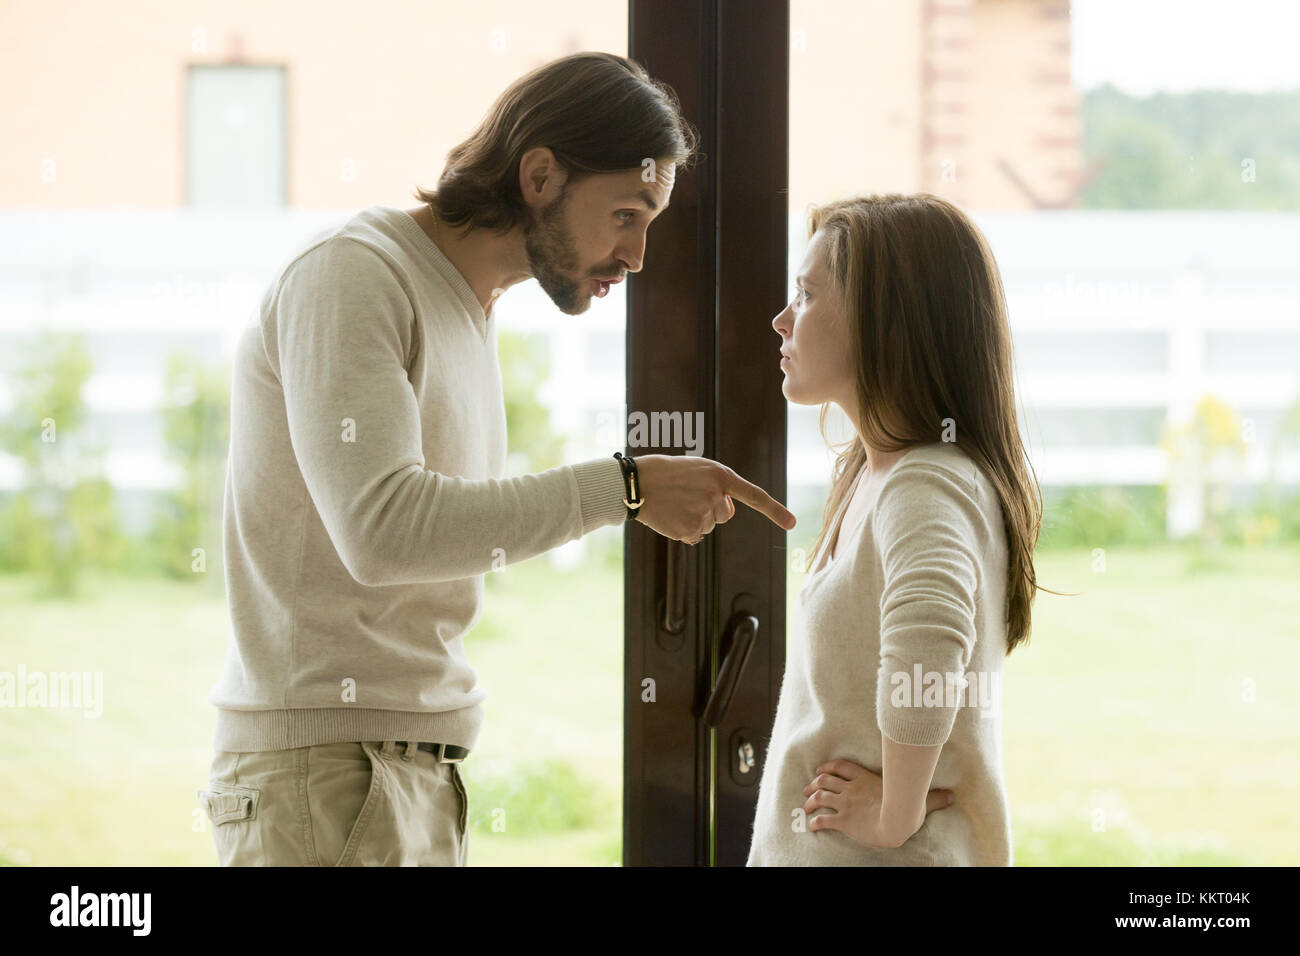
(915, 593)
(364, 500)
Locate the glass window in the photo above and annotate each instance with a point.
(235, 136)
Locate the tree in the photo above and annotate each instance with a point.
(523, 370)
(63, 517)
(1203, 149)
(1206, 453)
(196, 431)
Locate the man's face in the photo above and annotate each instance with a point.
(594, 229)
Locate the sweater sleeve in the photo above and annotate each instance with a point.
(926, 522)
(341, 343)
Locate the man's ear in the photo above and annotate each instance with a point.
(540, 174)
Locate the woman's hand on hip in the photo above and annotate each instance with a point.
(854, 795)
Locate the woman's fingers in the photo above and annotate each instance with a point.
(842, 768)
(825, 781)
(937, 800)
(822, 799)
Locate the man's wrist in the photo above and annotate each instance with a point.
(632, 499)
(600, 491)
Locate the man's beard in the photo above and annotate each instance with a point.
(552, 257)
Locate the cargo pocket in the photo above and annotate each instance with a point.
(226, 803)
(231, 810)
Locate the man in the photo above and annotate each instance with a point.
(364, 501)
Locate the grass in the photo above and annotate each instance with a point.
(1149, 721)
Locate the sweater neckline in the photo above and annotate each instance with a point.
(447, 269)
(821, 572)
(825, 566)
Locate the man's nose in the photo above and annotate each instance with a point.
(632, 255)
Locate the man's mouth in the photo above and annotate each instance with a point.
(604, 285)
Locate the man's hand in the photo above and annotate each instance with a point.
(687, 496)
(855, 794)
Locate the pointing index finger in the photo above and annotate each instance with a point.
(759, 500)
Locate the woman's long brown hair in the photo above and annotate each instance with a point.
(927, 321)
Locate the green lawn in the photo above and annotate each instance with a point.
(1127, 736)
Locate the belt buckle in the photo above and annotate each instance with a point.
(442, 755)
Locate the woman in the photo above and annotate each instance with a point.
(923, 571)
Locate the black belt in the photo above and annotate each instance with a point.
(446, 753)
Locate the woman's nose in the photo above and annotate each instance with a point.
(778, 323)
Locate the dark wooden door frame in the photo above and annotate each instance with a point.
(700, 339)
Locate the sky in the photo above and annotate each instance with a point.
(1145, 46)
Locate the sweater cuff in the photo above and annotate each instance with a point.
(601, 492)
(905, 713)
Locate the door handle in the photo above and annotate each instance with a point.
(672, 605)
(737, 642)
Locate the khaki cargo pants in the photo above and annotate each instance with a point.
(381, 803)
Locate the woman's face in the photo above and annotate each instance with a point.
(814, 336)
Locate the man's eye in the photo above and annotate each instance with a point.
(630, 216)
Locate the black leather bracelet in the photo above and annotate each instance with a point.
(631, 485)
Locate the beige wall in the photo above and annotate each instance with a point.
(93, 93)
(854, 99)
(97, 88)
(1022, 108)
(932, 95)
